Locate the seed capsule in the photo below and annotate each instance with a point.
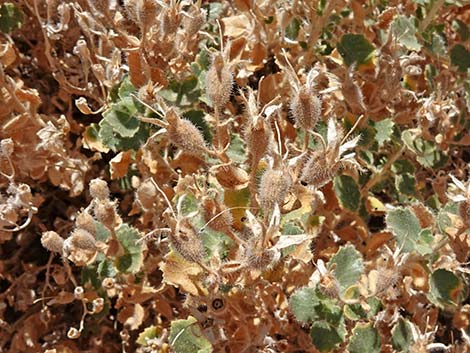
(219, 82)
(99, 189)
(274, 186)
(52, 241)
(183, 134)
(306, 108)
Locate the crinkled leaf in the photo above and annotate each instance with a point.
(132, 259)
(347, 192)
(384, 130)
(355, 48)
(364, 338)
(405, 30)
(348, 266)
(427, 153)
(405, 226)
(186, 337)
(303, 303)
(325, 337)
(424, 242)
(121, 117)
(445, 287)
(402, 335)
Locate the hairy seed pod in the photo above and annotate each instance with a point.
(219, 82)
(221, 222)
(81, 239)
(187, 242)
(264, 259)
(464, 212)
(52, 241)
(146, 195)
(99, 189)
(183, 134)
(193, 24)
(105, 212)
(274, 186)
(169, 21)
(318, 170)
(258, 137)
(306, 108)
(85, 221)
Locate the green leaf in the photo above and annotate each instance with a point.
(355, 48)
(347, 192)
(11, 17)
(364, 338)
(186, 337)
(375, 306)
(121, 117)
(384, 130)
(147, 334)
(105, 269)
(349, 266)
(324, 336)
(427, 153)
(354, 312)
(445, 287)
(443, 218)
(292, 30)
(405, 226)
(113, 140)
(424, 242)
(125, 88)
(402, 166)
(402, 335)
(236, 150)
(460, 57)
(102, 233)
(405, 183)
(132, 259)
(405, 30)
(303, 303)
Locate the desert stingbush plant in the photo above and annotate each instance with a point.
(237, 176)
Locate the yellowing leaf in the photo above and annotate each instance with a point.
(181, 273)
